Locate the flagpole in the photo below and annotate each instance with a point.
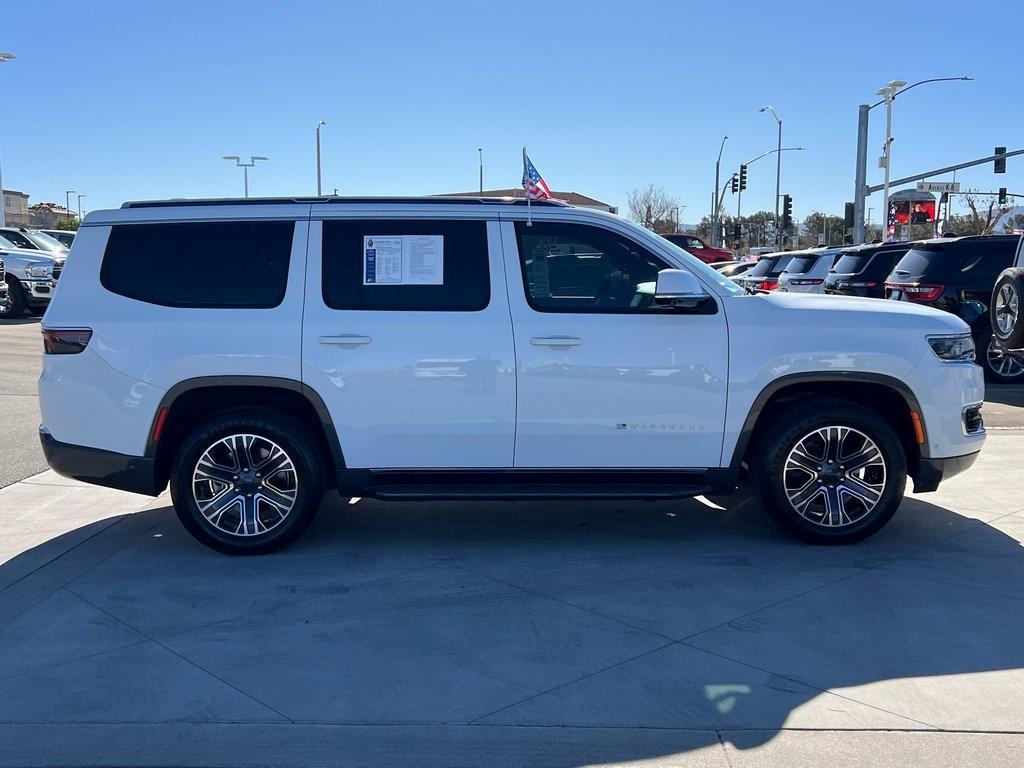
(526, 187)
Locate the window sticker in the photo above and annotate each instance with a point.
(405, 260)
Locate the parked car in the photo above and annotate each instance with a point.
(1005, 313)
(30, 279)
(735, 268)
(694, 245)
(861, 270)
(33, 240)
(806, 270)
(957, 275)
(442, 348)
(756, 253)
(764, 275)
(63, 236)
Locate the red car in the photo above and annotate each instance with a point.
(700, 249)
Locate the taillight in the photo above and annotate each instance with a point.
(806, 281)
(65, 341)
(769, 284)
(918, 292)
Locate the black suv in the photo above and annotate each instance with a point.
(957, 275)
(861, 270)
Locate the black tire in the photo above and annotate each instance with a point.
(781, 436)
(15, 306)
(999, 366)
(1006, 310)
(302, 484)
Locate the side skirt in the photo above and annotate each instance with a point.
(508, 484)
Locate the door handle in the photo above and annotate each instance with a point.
(345, 340)
(556, 341)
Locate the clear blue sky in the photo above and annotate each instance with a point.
(135, 100)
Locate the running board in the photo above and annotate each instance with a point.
(502, 484)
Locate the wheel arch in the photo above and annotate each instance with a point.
(185, 405)
(886, 395)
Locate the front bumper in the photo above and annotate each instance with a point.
(39, 290)
(93, 465)
(931, 472)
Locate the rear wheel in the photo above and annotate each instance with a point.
(999, 366)
(1005, 311)
(247, 482)
(830, 472)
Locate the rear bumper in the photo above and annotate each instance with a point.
(93, 465)
(931, 472)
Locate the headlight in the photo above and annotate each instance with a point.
(41, 271)
(955, 349)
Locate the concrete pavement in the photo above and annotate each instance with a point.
(21, 350)
(503, 634)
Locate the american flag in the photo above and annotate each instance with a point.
(534, 184)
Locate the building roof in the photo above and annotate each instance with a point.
(55, 208)
(573, 198)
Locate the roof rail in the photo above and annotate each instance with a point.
(429, 199)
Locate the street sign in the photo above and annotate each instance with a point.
(938, 186)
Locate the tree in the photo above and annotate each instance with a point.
(70, 225)
(653, 208)
(1013, 222)
(817, 223)
(983, 213)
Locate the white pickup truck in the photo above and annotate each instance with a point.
(254, 353)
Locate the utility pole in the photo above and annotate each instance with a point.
(67, 202)
(4, 57)
(80, 208)
(481, 153)
(318, 190)
(245, 167)
(778, 169)
(889, 93)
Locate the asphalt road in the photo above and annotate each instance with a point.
(21, 350)
(20, 360)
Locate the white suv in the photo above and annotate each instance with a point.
(806, 271)
(255, 354)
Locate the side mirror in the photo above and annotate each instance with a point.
(679, 288)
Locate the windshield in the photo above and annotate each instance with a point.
(45, 242)
(699, 268)
(19, 240)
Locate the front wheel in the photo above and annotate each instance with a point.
(830, 471)
(247, 482)
(999, 366)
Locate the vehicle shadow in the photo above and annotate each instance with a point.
(26, 320)
(1005, 394)
(671, 616)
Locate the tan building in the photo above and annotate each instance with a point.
(573, 198)
(16, 208)
(46, 215)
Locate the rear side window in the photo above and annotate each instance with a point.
(800, 264)
(406, 265)
(850, 263)
(214, 264)
(770, 266)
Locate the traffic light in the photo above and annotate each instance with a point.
(1000, 162)
(743, 177)
(787, 212)
(736, 234)
(848, 216)
(735, 183)
(1002, 196)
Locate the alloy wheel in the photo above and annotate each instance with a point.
(244, 485)
(834, 476)
(1007, 366)
(1007, 308)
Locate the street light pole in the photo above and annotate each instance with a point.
(889, 92)
(245, 167)
(67, 202)
(716, 203)
(778, 169)
(319, 125)
(860, 181)
(80, 208)
(4, 57)
(480, 151)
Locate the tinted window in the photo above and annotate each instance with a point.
(770, 266)
(850, 263)
(200, 264)
(465, 280)
(967, 262)
(579, 268)
(800, 264)
(19, 240)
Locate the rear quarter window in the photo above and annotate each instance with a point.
(800, 264)
(217, 264)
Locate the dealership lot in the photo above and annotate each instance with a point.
(507, 633)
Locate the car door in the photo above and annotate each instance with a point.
(605, 378)
(407, 339)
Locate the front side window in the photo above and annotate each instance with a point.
(20, 240)
(215, 264)
(406, 265)
(580, 268)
